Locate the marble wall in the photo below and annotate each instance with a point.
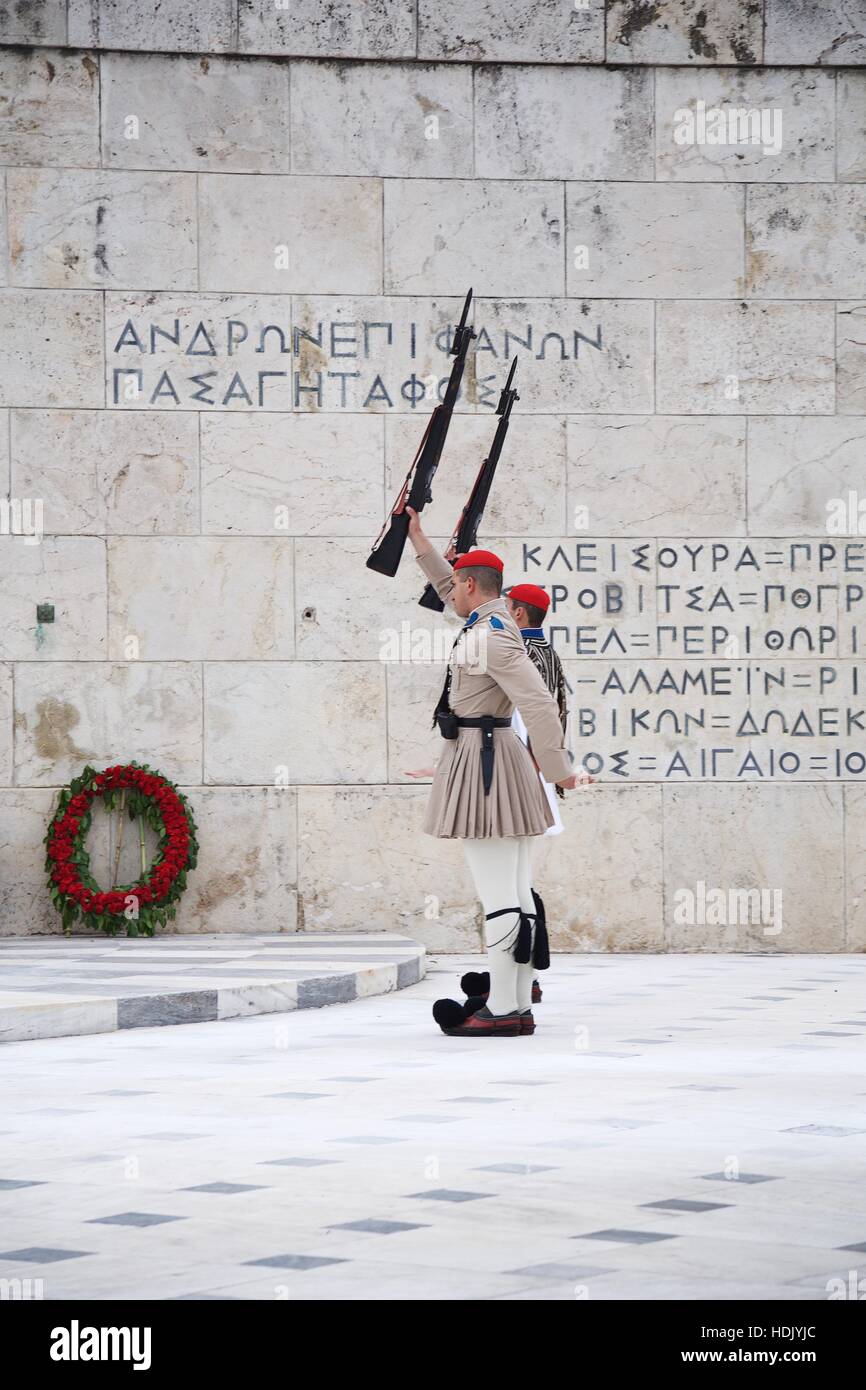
(232, 238)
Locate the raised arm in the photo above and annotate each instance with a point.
(435, 567)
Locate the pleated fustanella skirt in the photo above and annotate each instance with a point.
(515, 805)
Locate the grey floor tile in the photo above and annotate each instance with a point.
(172, 1135)
(228, 1189)
(375, 1226)
(626, 1237)
(447, 1194)
(828, 1033)
(122, 1093)
(296, 1261)
(515, 1168)
(299, 1095)
(352, 1078)
(476, 1100)
(40, 1254)
(133, 1218)
(685, 1204)
(741, 1177)
(298, 1162)
(826, 1131)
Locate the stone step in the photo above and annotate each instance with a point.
(60, 986)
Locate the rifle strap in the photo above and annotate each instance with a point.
(399, 503)
(444, 703)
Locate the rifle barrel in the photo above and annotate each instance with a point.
(388, 548)
(462, 324)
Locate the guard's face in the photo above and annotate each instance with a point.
(463, 595)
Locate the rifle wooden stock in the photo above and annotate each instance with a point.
(385, 559)
(430, 599)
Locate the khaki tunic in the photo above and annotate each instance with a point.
(490, 674)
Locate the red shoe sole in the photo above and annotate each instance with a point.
(509, 1030)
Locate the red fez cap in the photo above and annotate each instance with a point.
(531, 594)
(479, 557)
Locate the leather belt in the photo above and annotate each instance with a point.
(486, 723)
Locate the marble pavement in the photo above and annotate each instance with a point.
(678, 1128)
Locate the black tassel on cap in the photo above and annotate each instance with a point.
(541, 951)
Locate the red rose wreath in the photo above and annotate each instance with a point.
(137, 907)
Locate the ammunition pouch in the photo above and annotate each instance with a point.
(448, 723)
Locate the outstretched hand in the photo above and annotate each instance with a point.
(577, 779)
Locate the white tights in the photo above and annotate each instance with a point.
(503, 878)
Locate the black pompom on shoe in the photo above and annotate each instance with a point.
(476, 982)
(448, 1013)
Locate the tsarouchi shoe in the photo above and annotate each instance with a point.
(448, 1013)
(481, 1023)
(527, 1022)
(477, 982)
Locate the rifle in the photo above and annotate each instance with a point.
(466, 533)
(388, 548)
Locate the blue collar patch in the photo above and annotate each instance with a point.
(532, 632)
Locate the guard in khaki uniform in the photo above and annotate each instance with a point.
(486, 790)
(527, 604)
